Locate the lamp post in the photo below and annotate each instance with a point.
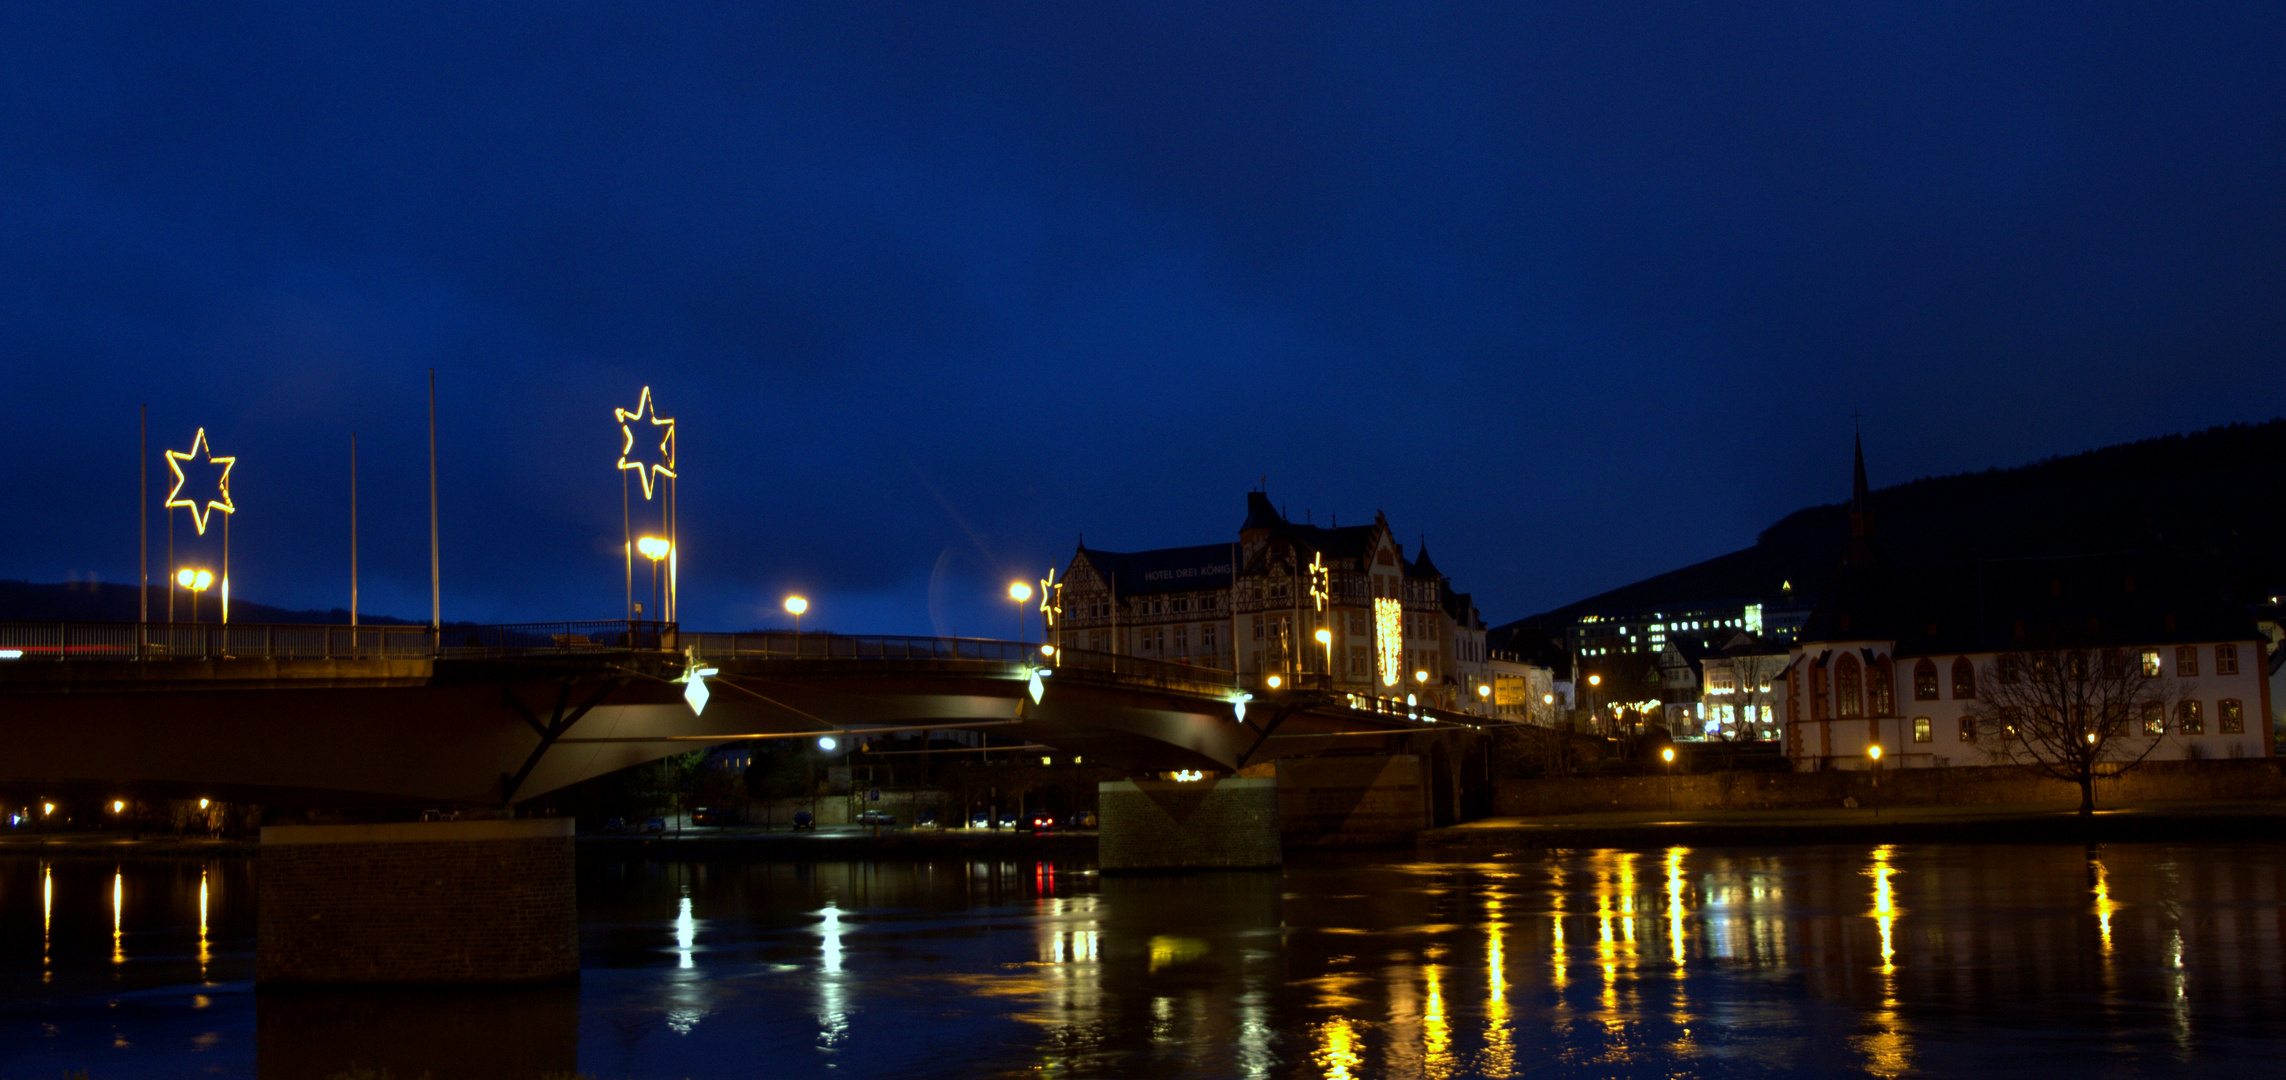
(1022, 594)
(1593, 682)
(197, 581)
(654, 548)
(1668, 753)
(1874, 752)
(795, 605)
(1325, 638)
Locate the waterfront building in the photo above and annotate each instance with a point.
(1258, 603)
(1899, 655)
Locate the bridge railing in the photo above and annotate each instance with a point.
(822, 646)
(576, 636)
(201, 641)
(1137, 669)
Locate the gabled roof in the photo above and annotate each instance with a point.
(1165, 570)
(1260, 514)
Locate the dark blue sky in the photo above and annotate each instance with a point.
(1583, 291)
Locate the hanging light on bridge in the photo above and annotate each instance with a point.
(828, 743)
(694, 683)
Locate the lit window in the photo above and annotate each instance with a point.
(2151, 663)
(2154, 718)
(2190, 721)
(2230, 717)
(1924, 729)
(1964, 679)
(1925, 680)
(1968, 729)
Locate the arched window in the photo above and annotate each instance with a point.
(1925, 680)
(1849, 687)
(1964, 679)
(1884, 687)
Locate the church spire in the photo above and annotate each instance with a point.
(1861, 551)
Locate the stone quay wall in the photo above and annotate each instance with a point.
(434, 902)
(1222, 824)
(2153, 781)
(1350, 799)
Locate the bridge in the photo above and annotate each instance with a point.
(495, 715)
(490, 716)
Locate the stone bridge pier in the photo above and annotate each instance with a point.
(463, 902)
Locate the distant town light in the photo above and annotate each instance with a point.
(1421, 676)
(1875, 751)
(118, 806)
(1668, 754)
(1325, 637)
(1483, 690)
(1276, 682)
(202, 804)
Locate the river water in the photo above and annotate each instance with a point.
(1916, 960)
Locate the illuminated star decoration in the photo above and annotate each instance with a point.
(1051, 598)
(1321, 580)
(665, 466)
(175, 459)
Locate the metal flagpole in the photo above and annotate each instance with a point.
(143, 543)
(353, 534)
(436, 589)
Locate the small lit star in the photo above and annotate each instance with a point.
(221, 502)
(665, 466)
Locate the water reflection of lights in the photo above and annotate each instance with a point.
(1337, 1050)
(686, 932)
(829, 930)
(1887, 1047)
(1436, 1027)
(1168, 950)
(118, 899)
(1499, 1046)
(1675, 903)
(205, 951)
(47, 920)
(1885, 904)
(2103, 902)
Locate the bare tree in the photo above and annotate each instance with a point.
(2074, 713)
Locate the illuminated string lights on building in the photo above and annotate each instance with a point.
(1389, 638)
(221, 502)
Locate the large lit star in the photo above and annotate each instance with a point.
(647, 472)
(1051, 598)
(175, 459)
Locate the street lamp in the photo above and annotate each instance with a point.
(1593, 682)
(1325, 638)
(795, 605)
(1022, 594)
(654, 548)
(197, 581)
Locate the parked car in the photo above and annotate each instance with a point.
(876, 817)
(708, 815)
(655, 825)
(1085, 819)
(803, 822)
(615, 824)
(1043, 821)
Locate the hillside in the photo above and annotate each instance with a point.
(2209, 497)
(107, 602)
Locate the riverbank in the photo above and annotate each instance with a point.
(2173, 822)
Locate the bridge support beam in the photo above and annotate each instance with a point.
(432, 902)
(1220, 824)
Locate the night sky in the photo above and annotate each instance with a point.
(1583, 292)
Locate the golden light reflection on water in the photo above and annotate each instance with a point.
(1499, 1042)
(118, 901)
(47, 921)
(1675, 905)
(1887, 1047)
(205, 949)
(1337, 1051)
(1436, 1028)
(1168, 950)
(2103, 902)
